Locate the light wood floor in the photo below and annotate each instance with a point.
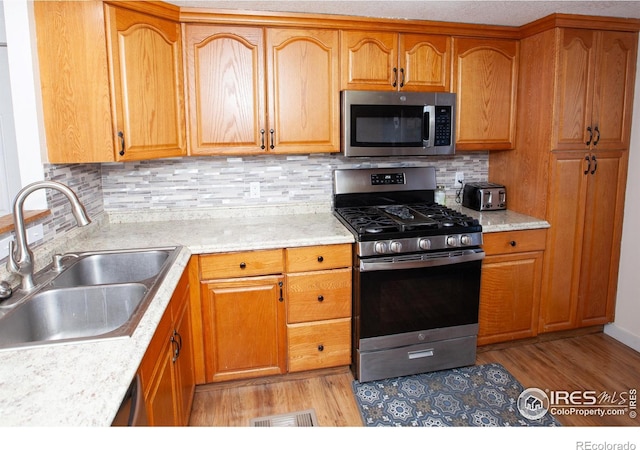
(593, 362)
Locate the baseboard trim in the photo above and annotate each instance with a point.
(625, 336)
(544, 337)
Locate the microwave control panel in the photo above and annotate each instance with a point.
(443, 126)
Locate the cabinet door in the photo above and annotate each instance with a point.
(244, 327)
(145, 58)
(368, 60)
(613, 98)
(303, 90)
(602, 235)
(74, 78)
(183, 360)
(225, 83)
(565, 214)
(509, 297)
(485, 77)
(425, 61)
(575, 86)
(161, 400)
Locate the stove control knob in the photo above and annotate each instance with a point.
(465, 240)
(380, 247)
(395, 246)
(424, 244)
(452, 241)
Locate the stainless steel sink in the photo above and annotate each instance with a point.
(62, 314)
(99, 295)
(112, 268)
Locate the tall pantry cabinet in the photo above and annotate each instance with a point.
(570, 162)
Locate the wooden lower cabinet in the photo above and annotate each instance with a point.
(319, 309)
(267, 312)
(315, 345)
(167, 369)
(244, 327)
(581, 264)
(510, 285)
(243, 314)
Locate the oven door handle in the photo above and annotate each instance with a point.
(397, 263)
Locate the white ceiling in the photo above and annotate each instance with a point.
(514, 12)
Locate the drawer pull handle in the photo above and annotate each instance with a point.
(320, 258)
(243, 265)
(320, 298)
(320, 347)
(513, 243)
(420, 354)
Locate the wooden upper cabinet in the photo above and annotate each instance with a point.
(225, 82)
(303, 90)
(485, 77)
(426, 61)
(74, 81)
(253, 90)
(390, 61)
(145, 61)
(368, 60)
(595, 85)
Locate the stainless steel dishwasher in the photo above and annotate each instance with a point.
(132, 412)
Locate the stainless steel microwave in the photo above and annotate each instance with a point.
(378, 123)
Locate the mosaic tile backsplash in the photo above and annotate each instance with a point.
(214, 182)
(224, 182)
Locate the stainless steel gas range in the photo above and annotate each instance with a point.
(416, 276)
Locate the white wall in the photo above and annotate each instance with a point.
(626, 327)
(25, 92)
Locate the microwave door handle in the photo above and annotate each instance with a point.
(429, 125)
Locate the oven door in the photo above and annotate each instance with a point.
(416, 297)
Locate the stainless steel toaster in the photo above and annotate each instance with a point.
(484, 196)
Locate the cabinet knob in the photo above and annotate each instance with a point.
(513, 243)
(243, 265)
(320, 258)
(320, 298)
(320, 347)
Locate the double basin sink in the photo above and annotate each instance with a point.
(97, 295)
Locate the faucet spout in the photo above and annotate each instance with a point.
(20, 259)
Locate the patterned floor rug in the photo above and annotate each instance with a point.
(474, 396)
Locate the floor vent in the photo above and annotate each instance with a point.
(295, 419)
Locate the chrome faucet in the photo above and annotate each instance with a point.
(20, 259)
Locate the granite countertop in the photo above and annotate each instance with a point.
(504, 220)
(83, 384)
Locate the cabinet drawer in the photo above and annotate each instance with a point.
(319, 344)
(241, 264)
(514, 241)
(318, 295)
(304, 259)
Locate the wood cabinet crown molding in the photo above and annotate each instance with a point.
(152, 8)
(579, 21)
(354, 23)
